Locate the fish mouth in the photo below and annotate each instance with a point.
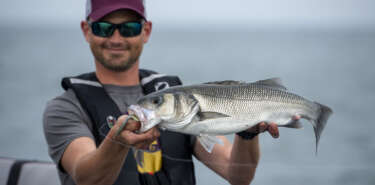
(147, 117)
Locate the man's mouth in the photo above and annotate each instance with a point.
(115, 49)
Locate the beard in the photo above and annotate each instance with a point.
(116, 62)
(122, 66)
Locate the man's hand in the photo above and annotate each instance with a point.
(272, 128)
(129, 138)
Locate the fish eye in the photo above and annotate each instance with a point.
(156, 100)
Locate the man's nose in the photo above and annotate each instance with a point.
(116, 36)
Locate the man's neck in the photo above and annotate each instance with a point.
(129, 77)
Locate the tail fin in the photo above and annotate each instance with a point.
(321, 122)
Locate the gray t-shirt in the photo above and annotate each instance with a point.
(64, 120)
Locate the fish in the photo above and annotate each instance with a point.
(225, 107)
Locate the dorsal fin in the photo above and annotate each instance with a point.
(226, 82)
(272, 82)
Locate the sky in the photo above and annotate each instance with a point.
(300, 12)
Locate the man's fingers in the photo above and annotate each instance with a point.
(262, 127)
(273, 130)
(155, 132)
(126, 135)
(296, 117)
(143, 145)
(126, 128)
(130, 124)
(136, 139)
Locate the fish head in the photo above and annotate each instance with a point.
(167, 108)
(162, 105)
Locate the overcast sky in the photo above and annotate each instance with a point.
(342, 12)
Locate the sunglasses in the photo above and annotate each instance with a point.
(126, 29)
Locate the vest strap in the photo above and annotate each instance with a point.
(98, 105)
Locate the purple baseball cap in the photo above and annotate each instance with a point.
(96, 9)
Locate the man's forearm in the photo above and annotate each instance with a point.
(244, 160)
(101, 166)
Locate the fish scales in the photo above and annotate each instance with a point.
(213, 97)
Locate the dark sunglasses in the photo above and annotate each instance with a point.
(126, 29)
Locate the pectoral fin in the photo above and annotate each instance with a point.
(210, 115)
(208, 142)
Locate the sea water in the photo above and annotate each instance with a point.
(334, 67)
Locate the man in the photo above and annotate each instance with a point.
(87, 151)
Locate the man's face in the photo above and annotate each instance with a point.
(117, 53)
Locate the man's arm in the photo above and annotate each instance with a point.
(90, 165)
(236, 163)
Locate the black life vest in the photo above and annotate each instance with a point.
(98, 105)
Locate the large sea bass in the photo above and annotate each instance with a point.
(226, 107)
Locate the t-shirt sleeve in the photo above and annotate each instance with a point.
(63, 121)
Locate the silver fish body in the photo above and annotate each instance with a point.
(220, 108)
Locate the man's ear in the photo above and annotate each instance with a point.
(85, 27)
(147, 31)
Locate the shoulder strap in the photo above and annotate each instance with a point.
(152, 81)
(91, 95)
